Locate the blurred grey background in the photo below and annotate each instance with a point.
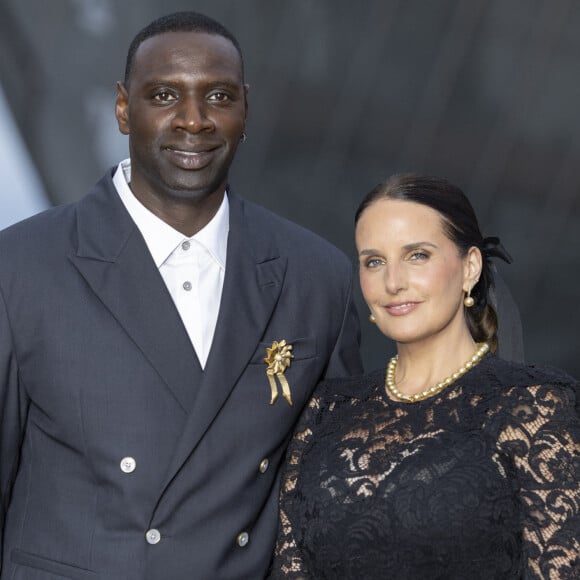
(343, 93)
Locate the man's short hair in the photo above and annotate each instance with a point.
(179, 22)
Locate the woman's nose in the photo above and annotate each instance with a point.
(395, 278)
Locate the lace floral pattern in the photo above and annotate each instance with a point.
(481, 481)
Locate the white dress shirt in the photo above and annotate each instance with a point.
(193, 268)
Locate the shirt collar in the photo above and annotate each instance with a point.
(160, 237)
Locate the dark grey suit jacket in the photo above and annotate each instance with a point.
(96, 366)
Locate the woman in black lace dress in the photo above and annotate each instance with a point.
(452, 463)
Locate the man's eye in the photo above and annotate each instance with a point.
(164, 97)
(219, 97)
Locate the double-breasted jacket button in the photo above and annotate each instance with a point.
(243, 539)
(264, 464)
(128, 465)
(153, 536)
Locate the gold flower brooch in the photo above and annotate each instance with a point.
(278, 358)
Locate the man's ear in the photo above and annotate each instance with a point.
(122, 108)
(246, 90)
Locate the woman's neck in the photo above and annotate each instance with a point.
(424, 364)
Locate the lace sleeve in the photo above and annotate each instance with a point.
(542, 437)
(288, 562)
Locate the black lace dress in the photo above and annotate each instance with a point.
(480, 481)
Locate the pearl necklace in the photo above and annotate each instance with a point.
(396, 394)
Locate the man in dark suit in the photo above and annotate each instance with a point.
(158, 340)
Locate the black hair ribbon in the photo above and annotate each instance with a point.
(493, 248)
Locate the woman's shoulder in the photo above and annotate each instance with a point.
(516, 380)
(518, 374)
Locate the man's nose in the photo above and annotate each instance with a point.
(192, 116)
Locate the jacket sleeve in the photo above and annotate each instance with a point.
(345, 359)
(12, 417)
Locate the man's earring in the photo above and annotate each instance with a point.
(468, 301)
(372, 318)
(243, 137)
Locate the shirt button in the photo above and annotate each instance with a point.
(153, 536)
(187, 286)
(186, 245)
(264, 464)
(128, 465)
(243, 539)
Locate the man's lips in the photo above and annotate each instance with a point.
(401, 308)
(192, 148)
(191, 158)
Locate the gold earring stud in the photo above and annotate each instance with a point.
(468, 301)
(372, 319)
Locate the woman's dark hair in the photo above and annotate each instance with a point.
(461, 227)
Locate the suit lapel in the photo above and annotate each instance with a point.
(253, 281)
(114, 260)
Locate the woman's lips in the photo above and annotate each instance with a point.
(401, 308)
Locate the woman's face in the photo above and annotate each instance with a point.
(411, 274)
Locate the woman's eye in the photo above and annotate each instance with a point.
(418, 255)
(373, 262)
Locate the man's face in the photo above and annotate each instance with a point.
(184, 110)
